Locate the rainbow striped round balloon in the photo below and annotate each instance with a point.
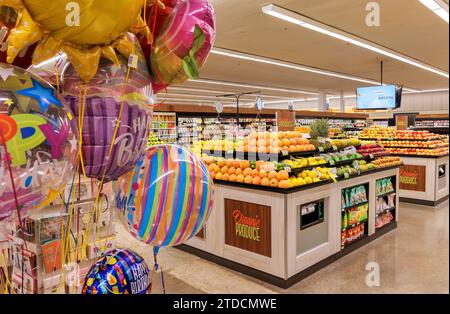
(168, 197)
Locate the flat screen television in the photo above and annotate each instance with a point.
(379, 97)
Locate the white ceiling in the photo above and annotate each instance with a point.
(407, 27)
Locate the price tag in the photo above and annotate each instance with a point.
(288, 169)
(284, 152)
(133, 61)
(346, 175)
(321, 149)
(371, 156)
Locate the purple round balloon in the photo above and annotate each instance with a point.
(105, 94)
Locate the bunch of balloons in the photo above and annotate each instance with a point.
(77, 85)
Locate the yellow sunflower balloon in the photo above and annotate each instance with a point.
(85, 30)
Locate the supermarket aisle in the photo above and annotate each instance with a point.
(413, 259)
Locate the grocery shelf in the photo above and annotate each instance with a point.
(356, 205)
(398, 139)
(301, 187)
(384, 211)
(355, 225)
(387, 193)
(419, 156)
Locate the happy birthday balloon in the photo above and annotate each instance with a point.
(84, 29)
(119, 271)
(38, 148)
(111, 101)
(168, 197)
(184, 42)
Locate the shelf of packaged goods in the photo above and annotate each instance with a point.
(355, 225)
(353, 206)
(354, 242)
(387, 193)
(385, 211)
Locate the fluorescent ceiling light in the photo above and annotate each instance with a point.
(275, 89)
(250, 57)
(439, 7)
(311, 24)
(209, 91)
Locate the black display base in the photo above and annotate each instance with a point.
(423, 202)
(280, 282)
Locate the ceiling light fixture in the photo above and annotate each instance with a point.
(234, 84)
(250, 57)
(303, 21)
(439, 7)
(208, 91)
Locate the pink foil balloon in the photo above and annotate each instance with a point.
(175, 44)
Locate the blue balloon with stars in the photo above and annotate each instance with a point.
(119, 271)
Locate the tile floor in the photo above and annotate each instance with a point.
(413, 259)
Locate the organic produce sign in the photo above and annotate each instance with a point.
(413, 178)
(248, 226)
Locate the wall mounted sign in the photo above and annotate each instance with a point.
(248, 226)
(413, 178)
(286, 120)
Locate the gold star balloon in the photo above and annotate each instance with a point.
(85, 30)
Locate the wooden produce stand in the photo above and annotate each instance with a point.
(284, 235)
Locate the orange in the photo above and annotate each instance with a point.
(211, 167)
(272, 175)
(219, 176)
(240, 178)
(213, 175)
(274, 183)
(216, 169)
(265, 181)
(247, 172)
(221, 162)
(238, 171)
(224, 169)
(244, 164)
(263, 174)
(236, 164)
(231, 170)
(248, 179)
(226, 177)
(255, 172)
(292, 148)
(233, 178)
(285, 184)
(286, 142)
(282, 175)
(256, 180)
(230, 163)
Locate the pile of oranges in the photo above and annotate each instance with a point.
(234, 170)
(274, 143)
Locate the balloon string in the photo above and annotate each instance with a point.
(156, 267)
(13, 185)
(57, 77)
(111, 147)
(81, 111)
